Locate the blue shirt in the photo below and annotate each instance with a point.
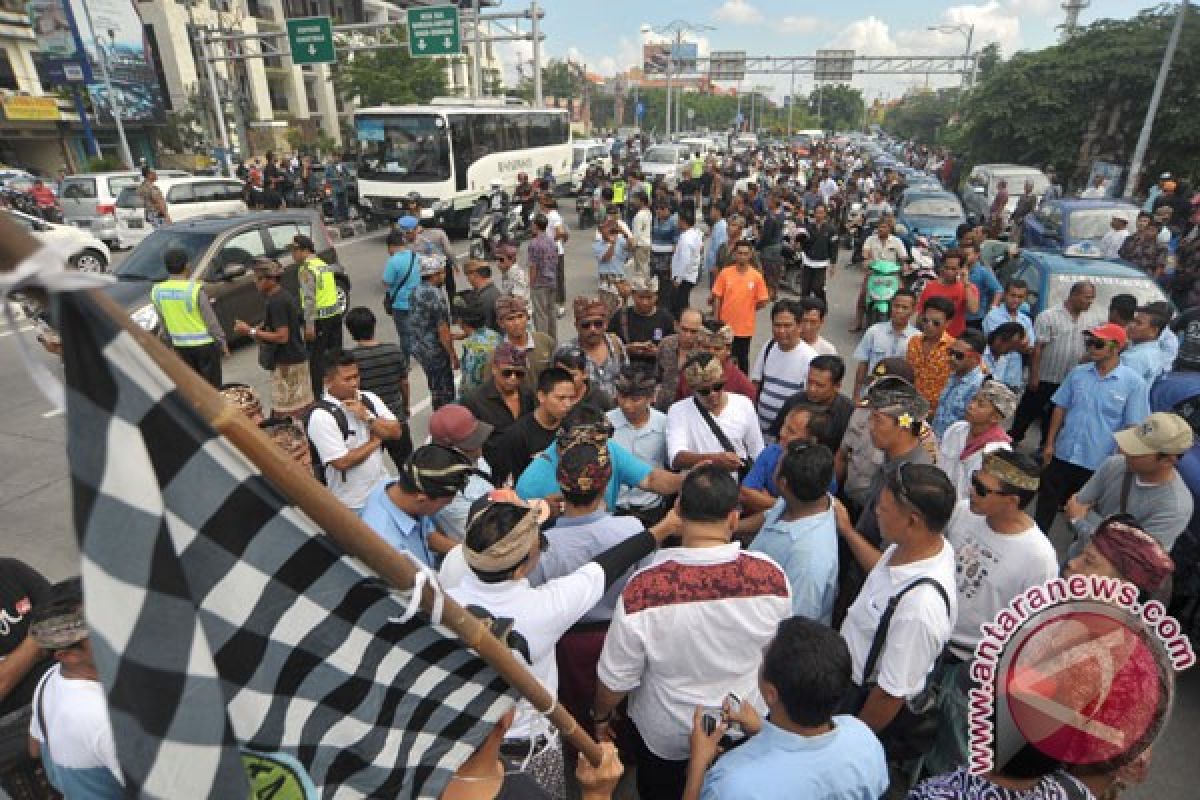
(396, 527)
(881, 341)
(999, 315)
(718, 237)
(540, 478)
(397, 268)
(1169, 342)
(574, 541)
(1173, 388)
(845, 764)
(614, 265)
(762, 474)
(1147, 359)
(952, 404)
(1095, 408)
(987, 284)
(807, 551)
(1008, 369)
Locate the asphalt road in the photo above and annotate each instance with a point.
(35, 497)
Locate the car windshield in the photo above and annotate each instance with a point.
(1093, 223)
(1144, 289)
(660, 155)
(119, 182)
(933, 207)
(145, 263)
(403, 147)
(129, 198)
(1016, 183)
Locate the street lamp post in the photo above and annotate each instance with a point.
(968, 78)
(676, 28)
(106, 76)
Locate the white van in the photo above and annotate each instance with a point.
(193, 196)
(89, 199)
(585, 153)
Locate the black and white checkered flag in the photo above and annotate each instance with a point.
(240, 649)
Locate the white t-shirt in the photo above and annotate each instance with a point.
(555, 221)
(993, 568)
(81, 746)
(541, 615)
(920, 626)
(687, 430)
(950, 456)
(353, 485)
(783, 373)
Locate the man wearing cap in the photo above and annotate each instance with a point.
(611, 249)
(1119, 550)
(1145, 354)
(512, 314)
(455, 426)
(1140, 481)
(347, 428)
(402, 511)
(502, 399)
(999, 553)
(534, 432)
(642, 327)
(510, 278)
(712, 425)
(588, 422)
(432, 343)
(642, 430)
(280, 340)
(319, 304)
(716, 339)
(71, 730)
(605, 352)
(1114, 237)
(479, 276)
(1097, 399)
(966, 376)
(1058, 348)
(963, 445)
(502, 549)
(401, 277)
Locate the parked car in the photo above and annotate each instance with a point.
(89, 200)
(668, 161)
(221, 251)
(88, 254)
(1075, 227)
(1050, 276)
(984, 182)
(934, 213)
(187, 197)
(584, 154)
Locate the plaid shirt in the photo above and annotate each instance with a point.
(543, 262)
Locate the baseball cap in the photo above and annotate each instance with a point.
(1109, 332)
(407, 223)
(1161, 433)
(453, 425)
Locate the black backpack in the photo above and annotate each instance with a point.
(339, 416)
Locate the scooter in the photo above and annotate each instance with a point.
(883, 281)
(923, 268)
(854, 224)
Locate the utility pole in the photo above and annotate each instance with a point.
(676, 28)
(1143, 142)
(537, 53)
(669, 60)
(106, 76)
(791, 101)
(477, 57)
(218, 103)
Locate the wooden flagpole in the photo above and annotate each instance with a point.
(335, 519)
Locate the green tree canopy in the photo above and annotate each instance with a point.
(391, 76)
(841, 107)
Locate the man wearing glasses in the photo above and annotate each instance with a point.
(1097, 399)
(605, 353)
(929, 353)
(712, 425)
(966, 376)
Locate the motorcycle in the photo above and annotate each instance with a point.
(493, 220)
(855, 218)
(923, 268)
(883, 281)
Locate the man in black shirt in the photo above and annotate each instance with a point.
(533, 432)
(819, 254)
(479, 275)
(280, 340)
(22, 662)
(823, 390)
(502, 400)
(645, 325)
(383, 371)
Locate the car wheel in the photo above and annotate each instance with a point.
(89, 260)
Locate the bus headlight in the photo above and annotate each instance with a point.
(146, 317)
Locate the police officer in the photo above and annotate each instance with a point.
(319, 304)
(188, 318)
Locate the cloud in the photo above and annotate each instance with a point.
(794, 24)
(738, 12)
(870, 36)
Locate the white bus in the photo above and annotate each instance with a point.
(451, 154)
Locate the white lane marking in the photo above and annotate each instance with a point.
(22, 329)
(54, 412)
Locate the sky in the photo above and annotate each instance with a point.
(607, 37)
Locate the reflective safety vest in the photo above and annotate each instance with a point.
(178, 304)
(618, 188)
(326, 298)
(697, 167)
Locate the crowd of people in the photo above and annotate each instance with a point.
(744, 570)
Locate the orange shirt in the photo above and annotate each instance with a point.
(740, 294)
(930, 370)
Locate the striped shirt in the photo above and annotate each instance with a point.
(380, 371)
(782, 373)
(1061, 338)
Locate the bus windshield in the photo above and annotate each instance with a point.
(403, 147)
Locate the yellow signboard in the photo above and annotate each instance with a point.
(20, 107)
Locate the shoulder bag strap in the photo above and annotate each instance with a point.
(40, 693)
(713, 426)
(412, 260)
(1126, 488)
(885, 622)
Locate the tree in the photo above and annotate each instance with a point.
(391, 76)
(840, 107)
(922, 116)
(988, 60)
(184, 129)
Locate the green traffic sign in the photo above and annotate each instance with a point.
(311, 40)
(433, 31)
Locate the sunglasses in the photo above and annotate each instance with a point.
(1094, 343)
(592, 324)
(902, 490)
(981, 489)
(512, 373)
(705, 391)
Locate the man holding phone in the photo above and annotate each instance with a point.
(952, 283)
(612, 249)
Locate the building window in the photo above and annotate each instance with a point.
(8, 78)
(156, 60)
(310, 90)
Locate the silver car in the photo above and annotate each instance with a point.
(89, 200)
(668, 161)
